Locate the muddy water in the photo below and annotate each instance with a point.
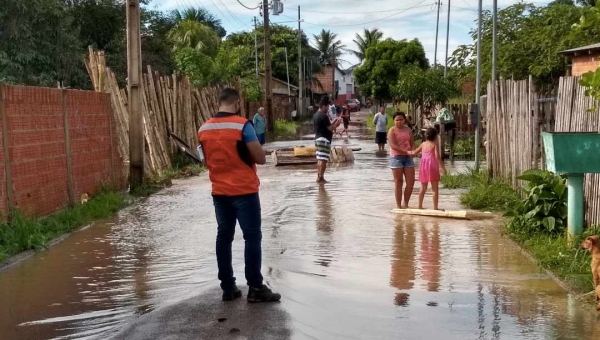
(347, 268)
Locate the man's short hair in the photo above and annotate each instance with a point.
(228, 96)
(324, 101)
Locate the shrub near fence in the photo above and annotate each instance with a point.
(56, 145)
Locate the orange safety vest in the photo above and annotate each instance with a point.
(230, 168)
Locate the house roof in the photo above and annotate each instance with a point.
(582, 49)
(350, 69)
(281, 81)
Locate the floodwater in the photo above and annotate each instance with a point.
(347, 268)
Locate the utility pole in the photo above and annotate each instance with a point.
(268, 89)
(134, 75)
(287, 70)
(437, 28)
(300, 74)
(333, 73)
(255, 48)
(447, 40)
(495, 40)
(478, 89)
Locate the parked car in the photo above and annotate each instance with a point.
(353, 104)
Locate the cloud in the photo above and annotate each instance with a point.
(398, 19)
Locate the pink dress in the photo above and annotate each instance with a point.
(429, 169)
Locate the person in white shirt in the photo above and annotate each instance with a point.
(380, 121)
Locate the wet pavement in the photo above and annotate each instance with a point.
(347, 269)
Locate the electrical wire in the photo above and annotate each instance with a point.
(372, 21)
(371, 12)
(247, 6)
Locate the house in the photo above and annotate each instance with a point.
(583, 59)
(279, 87)
(344, 83)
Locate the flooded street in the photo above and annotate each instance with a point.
(346, 267)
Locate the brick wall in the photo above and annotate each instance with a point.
(37, 146)
(325, 79)
(584, 64)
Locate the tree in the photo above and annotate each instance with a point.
(530, 39)
(589, 24)
(282, 38)
(423, 88)
(329, 47)
(363, 42)
(194, 35)
(201, 15)
(38, 45)
(383, 63)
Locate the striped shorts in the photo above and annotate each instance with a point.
(323, 148)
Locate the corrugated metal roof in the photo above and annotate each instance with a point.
(583, 48)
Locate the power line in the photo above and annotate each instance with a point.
(372, 21)
(247, 6)
(371, 12)
(231, 13)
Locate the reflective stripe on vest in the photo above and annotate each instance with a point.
(229, 174)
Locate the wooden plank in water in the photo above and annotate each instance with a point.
(456, 214)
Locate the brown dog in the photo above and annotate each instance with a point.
(592, 244)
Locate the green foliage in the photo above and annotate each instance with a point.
(200, 15)
(24, 233)
(489, 194)
(363, 42)
(329, 47)
(529, 41)
(252, 89)
(384, 60)
(464, 148)
(285, 127)
(423, 87)
(192, 34)
(544, 210)
(38, 45)
(241, 47)
(589, 25)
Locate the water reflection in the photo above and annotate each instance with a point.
(403, 260)
(430, 255)
(325, 221)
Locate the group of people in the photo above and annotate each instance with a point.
(232, 146)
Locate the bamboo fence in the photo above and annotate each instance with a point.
(572, 116)
(169, 104)
(513, 130)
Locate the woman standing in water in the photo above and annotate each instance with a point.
(401, 162)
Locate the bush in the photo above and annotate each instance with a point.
(490, 195)
(544, 210)
(285, 127)
(463, 180)
(464, 148)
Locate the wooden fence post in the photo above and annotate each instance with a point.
(70, 189)
(7, 169)
(442, 146)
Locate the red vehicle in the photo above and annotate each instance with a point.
(353, 105)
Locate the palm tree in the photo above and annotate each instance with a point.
(363, 42)
(330, 47)
(202, 16)
(193, 34)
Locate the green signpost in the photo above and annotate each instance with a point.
(573, 153)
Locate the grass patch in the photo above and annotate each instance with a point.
(286, 127)
(568, 263)
(483, 193)
(464, 148)
(183, 167)
(23, 233)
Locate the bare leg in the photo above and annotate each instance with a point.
(409, 175)
(422, 194)
(398, 182)
(435, 189)
(321, 166)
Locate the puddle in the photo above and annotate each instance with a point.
(346, 267)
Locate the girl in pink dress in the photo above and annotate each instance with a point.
(429, 169)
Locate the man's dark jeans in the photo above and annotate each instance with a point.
(246, 210)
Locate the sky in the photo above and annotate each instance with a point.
(398, 19)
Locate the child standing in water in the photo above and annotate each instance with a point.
(429, 169)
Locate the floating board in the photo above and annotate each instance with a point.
(456, 214)
(307, 155)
